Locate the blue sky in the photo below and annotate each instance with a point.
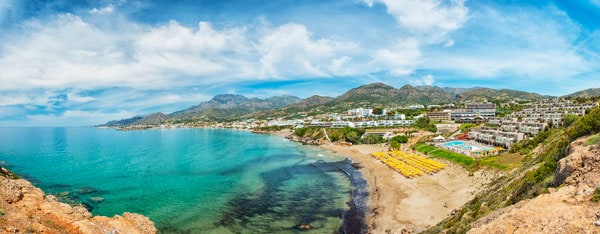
(78, 63)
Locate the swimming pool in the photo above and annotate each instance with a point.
(464, 145)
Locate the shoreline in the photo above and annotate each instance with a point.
(399, 204)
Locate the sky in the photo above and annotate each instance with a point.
(82, 63)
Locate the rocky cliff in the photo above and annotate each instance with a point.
(568, 209)
(26, 209)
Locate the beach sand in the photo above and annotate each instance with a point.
(403, 205)
(411, 205)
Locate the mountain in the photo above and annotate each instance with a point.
(312, 105)
(228, 107)
(593, 92)
(379, 94)
(151, 119)
(231, 106)
(498, 95)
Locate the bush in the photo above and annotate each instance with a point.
(586, 125)
(372, 139)
(596, 195)
(395, 145)
(400, 139)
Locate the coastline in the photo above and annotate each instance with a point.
(398, 204)
(26, 208)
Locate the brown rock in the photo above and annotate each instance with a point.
(27, 209)
(564, 210)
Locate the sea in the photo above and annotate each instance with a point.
(193, 180)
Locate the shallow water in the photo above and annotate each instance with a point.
(186, 180)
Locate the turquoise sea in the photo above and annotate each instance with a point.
(191, 180)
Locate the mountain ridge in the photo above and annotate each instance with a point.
(228, 107)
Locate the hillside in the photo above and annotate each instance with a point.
(537, 175)
(379, 94)
(498, 95)
(231, 106)
(310, 106)
(568, 209)
(593, 92)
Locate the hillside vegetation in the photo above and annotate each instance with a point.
(534, 177)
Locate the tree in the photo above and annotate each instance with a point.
(425, 123)
(391, 113)
(400, 139)
(377, 111)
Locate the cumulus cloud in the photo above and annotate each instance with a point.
(289, 50)
(430, 20)
(400, 60)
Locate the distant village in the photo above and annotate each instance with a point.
(526, 121)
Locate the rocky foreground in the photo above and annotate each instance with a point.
(568, 209)
(26, 209)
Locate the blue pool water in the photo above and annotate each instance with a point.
(186, 180)
(452, 143)
(465, 145)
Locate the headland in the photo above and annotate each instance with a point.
(27, 209)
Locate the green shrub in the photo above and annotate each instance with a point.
(300, 131)
(593, 140)
(400, 139)
(596, 195)
(395, 145)
(372, 139)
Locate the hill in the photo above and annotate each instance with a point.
(382, 95)
(593, 92)
(511, 199)
(498, 95)
(310, 106)
(151, 119)
(229, 107)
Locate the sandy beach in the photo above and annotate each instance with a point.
(409, 204)
(403, 205)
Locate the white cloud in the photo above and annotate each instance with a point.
(400, 60)
(69, 51)
(516, 44)
(430, 20)
(103, 11)
(427, 80)
(289, 50)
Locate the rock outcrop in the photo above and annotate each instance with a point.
(567, 209)
(26, 209)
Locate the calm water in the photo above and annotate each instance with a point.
(185, 180)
